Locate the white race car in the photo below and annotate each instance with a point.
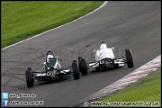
(105, 60)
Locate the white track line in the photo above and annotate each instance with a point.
(139, 73)
(56, 27)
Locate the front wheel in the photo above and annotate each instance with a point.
(76, 73)
(29, 77)
(129, 58)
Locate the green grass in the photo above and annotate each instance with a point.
(147, 90)
(21, 19)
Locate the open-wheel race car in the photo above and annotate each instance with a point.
(105, 60)
(52, 70)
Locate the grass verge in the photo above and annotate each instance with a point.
(21, 19)
(145, 92)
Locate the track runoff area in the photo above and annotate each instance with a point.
(133, 77)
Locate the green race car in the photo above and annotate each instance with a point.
(52, 71)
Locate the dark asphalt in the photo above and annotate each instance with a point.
(133, 24)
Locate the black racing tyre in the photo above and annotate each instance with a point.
(76, 73)
(129, 58)
(82, 65)
(29, 77)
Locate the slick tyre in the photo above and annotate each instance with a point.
(29, 77)
(129, 58)
(82, 65)
(76, 73)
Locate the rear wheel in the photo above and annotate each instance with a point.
(129, 58)
(75, 70)
(29, 77)
(82, 65)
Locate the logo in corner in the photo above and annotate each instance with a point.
(4, 95)
(4, 102)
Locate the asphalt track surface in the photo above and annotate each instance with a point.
(122, 24)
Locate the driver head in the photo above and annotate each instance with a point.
(103, 46)
(102, 42)
(48, 58)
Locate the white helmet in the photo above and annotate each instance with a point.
(48, 58)
(103, 46)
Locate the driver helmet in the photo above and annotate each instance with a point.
(48, 58)
(103, 46)
(102, 42)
